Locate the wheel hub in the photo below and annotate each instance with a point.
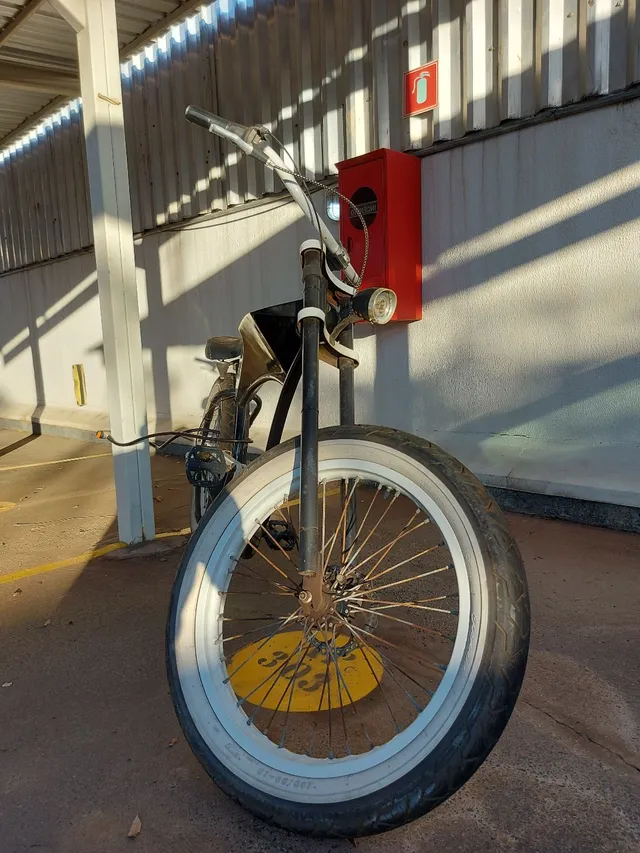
(335, 584)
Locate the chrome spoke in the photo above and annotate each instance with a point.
(421, 659)
(331, 755)
(319, 708)
(387, 605)
(256, 592)
(345, 516)
(296, 690)
(292, 684)
(267, 560)
(347, 567)
(419, 600)
(289, 521)
(252, 618)
(277, 672)
(276, 543)
(400, 582)
(330, 544)
(402, 621)
(245, 633)
(262, 644)
(332, 647)
(340, 678)
(256, 576)
(372, 578)
(400, 536)
(362, 644)
(362, 524)
(388, 548)
(383, 692)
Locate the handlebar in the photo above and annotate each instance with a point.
(240, 135)
(252, 140)
(201, 117)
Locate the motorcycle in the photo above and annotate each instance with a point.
(349, 626)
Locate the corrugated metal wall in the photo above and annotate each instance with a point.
(326, 76)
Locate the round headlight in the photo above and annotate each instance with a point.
(382, 305)
(375, 304)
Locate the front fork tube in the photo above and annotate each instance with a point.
(313, 596)
(346, 366)
(310, 556)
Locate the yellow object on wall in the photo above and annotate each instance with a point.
(79, 384)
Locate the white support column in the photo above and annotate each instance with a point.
(99, 64)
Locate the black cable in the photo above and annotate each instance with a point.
(305, 186)
(344, 198)
(193, 433)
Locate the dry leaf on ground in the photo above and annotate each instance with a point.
(136, 826)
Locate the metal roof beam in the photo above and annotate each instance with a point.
(161, 26)
(126, 51)
(31, 121)
(39, 60)
(19, 19)
(33, 79)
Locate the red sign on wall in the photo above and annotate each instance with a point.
(421, 89)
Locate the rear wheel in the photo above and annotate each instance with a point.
(220, 416)
(365, 716)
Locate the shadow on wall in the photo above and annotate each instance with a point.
(199, 281)
(185, 305)
(567, 412)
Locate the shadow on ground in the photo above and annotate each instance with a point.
(87, 725)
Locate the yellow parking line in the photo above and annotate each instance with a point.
(5, 505)
(80, 558)
(186, 531)
(53, 462)
(60, 564)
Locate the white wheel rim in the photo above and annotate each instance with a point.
(213, 704)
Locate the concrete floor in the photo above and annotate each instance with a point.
(86, 725)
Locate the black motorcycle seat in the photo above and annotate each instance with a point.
(223, 348)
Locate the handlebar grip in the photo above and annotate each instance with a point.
(198, 116)
(213, 123)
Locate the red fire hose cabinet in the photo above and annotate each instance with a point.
(385, 185)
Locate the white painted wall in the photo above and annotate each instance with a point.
(193, 282)
(526, 362)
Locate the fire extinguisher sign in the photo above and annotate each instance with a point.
(421, 89)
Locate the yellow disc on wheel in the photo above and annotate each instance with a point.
(263, 671)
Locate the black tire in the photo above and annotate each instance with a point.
(221, 417)
(487, 707)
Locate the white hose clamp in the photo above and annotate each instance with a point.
(305, 313)
(311, 244)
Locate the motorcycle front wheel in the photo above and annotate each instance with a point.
(370, 714)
